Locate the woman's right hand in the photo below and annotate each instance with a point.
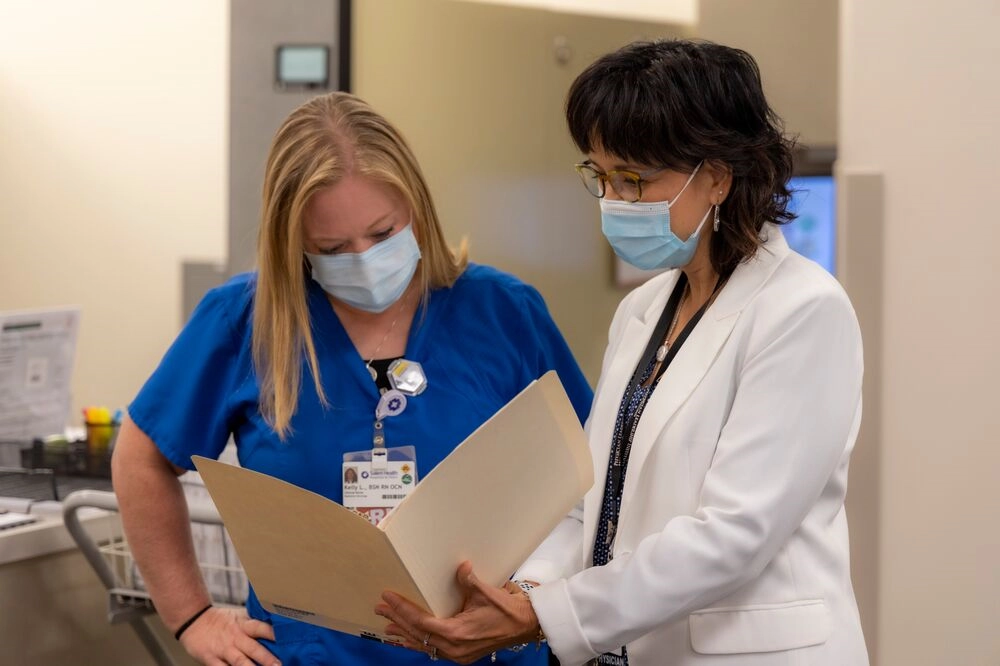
(228, 637)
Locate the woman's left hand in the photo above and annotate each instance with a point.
(491, 618)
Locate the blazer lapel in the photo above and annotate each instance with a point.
(686, 371)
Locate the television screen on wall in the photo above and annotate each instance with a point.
(302, 66)
(813, 233)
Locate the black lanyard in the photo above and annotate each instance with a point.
(622, 440)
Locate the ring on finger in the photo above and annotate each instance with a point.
(427, 639)
(434, 653)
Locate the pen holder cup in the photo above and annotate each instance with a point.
(101, 438)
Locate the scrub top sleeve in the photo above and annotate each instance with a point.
(183, 406)
(545, 349)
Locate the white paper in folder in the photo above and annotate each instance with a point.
(491, 501)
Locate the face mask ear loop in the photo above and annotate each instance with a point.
(702, 223)
(690, 178)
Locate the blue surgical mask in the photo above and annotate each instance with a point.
(640, 232)
(374, 279)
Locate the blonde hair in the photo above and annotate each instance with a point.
(319, 144)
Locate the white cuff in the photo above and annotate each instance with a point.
(539, 571)
(562, 627)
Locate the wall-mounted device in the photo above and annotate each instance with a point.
(302, 67)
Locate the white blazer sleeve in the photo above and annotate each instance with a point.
(560, 555)
(794, 410)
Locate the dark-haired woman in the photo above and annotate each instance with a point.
(727, 409)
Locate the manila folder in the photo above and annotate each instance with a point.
(492, 501)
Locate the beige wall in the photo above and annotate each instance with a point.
(479, 93)
(683, 12)
(795, 44)
(112, 170)
(920, 96)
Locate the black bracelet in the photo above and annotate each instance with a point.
(181, 629)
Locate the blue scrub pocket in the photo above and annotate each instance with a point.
(296, 643)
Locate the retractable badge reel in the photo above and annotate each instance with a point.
(392, 403)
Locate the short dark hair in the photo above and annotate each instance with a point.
(674, 103)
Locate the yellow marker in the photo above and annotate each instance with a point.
(100, 430)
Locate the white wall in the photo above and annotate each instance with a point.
(919, 103)
(112, 170)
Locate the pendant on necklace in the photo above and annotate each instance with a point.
(661, 352)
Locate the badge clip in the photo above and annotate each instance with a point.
(380, 455)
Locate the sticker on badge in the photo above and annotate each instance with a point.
(373, 491)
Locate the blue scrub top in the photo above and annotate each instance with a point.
(480, 342)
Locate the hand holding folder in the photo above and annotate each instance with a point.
(491, 501)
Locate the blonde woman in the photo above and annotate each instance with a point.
(359, 323)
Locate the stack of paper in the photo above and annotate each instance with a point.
(14, 519)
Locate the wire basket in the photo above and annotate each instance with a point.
(127, 593)
(221, 569)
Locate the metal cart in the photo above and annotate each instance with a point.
(109, 555)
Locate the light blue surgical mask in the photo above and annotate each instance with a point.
(371, 280)
(640, 232)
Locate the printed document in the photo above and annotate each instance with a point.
(36, 365)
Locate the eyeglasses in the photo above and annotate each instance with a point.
(627, 184)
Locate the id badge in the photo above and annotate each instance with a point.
(372, 491)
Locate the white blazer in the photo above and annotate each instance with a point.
(732, 546)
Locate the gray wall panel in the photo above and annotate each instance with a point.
(257, 107)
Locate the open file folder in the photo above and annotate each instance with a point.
(491, 501)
